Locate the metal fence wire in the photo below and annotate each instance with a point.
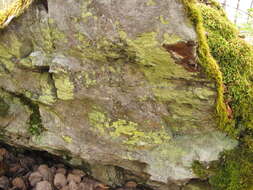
(239, 11)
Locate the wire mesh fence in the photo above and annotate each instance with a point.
(239, 11)
(4, 4)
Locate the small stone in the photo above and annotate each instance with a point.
(27, 162)
(67, 188)
(60, 166)
(45, 171)
(73, 185)
(3, 152)
(53, 170)
(61, 170)
(60, 180)
(78, 172)
(14, 168)
(75, 178)
(35, 167)
(34, 178)
(101, 186)
(44, 185)
(89, 183)
(3, 167)
(19, 183)
(83, 186)
(4, 182)
(131, 184)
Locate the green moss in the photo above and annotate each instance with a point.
(235, 171)
(200, 170)
(4, 107)
(208, 63)
(234, 58)
(35, 122)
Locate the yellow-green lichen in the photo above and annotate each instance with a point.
(88, 79)
(4, 53)
(99, 120)
(12, 46)
(163, 20)
(51, 35)
(67, 139)
(131, 133)
(64, 86)
(151, 3)
(47, 96)
(85, 16)
(9, 65)
(155, 62)
(171, 39)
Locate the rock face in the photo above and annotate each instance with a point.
(111, 84)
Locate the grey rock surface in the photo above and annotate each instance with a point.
(91, 81)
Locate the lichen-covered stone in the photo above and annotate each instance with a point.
(99, 86)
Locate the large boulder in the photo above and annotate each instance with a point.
(112, 85)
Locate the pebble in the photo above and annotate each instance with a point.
(131, 184)
(75, 178)
(60, 180)
(61, 170)
(73, 186)
(19, 183)
(45, 172)
(79, 173)
(31, 172)
(4, 182)
(34, 178)
(44, 185)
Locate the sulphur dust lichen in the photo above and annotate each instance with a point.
(129, 132)
(12, 10)
(67, 139)
(64, 86)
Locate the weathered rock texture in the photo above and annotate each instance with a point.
(110, 84)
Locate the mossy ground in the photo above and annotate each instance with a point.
(218, 39)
